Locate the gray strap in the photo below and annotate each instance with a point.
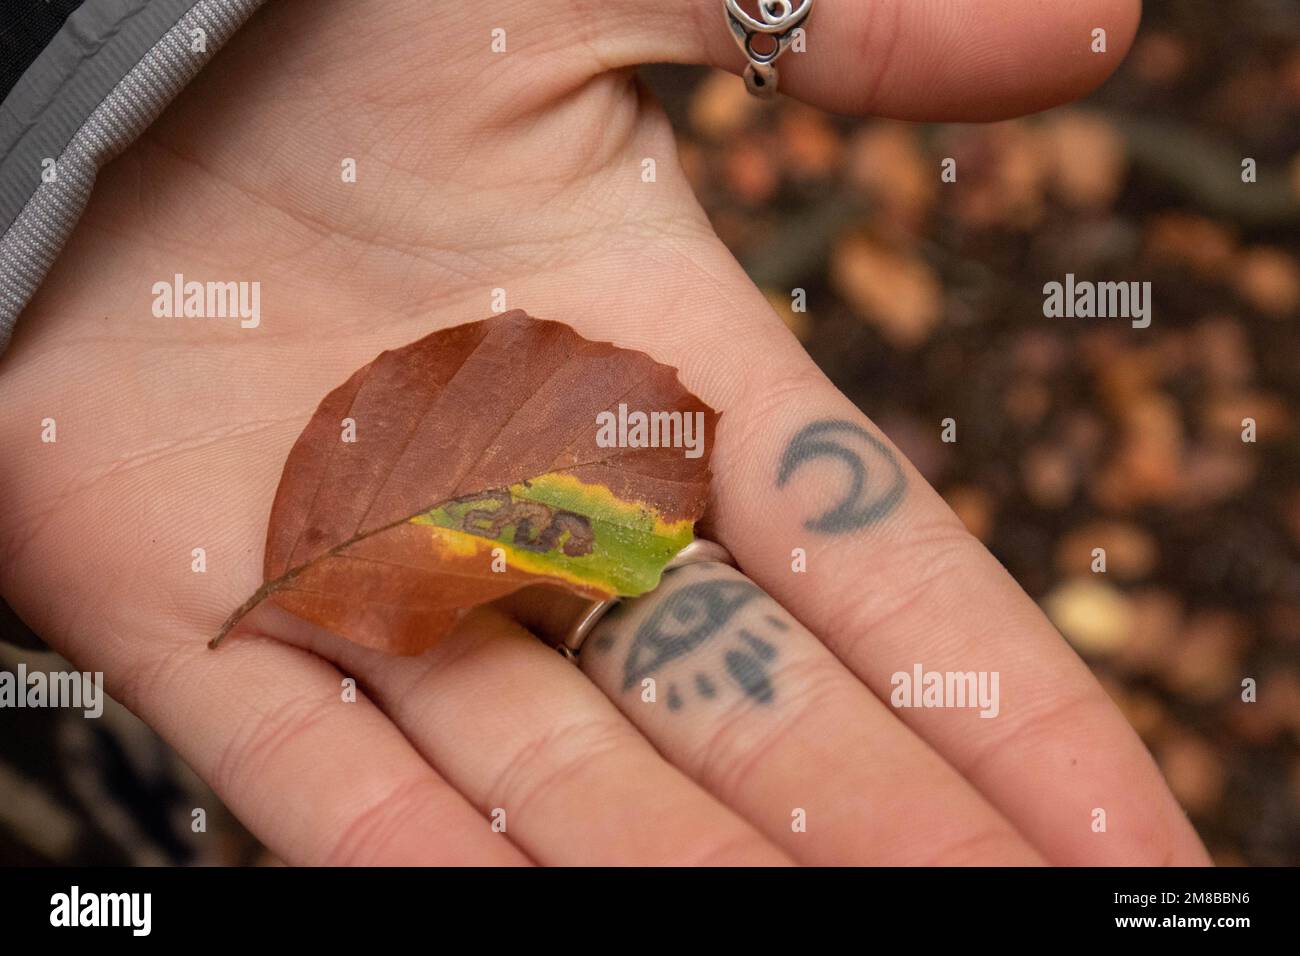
(105, 77)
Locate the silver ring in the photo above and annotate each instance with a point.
(697, 552)
(780, 20)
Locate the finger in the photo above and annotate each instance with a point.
(739, 695)
(319, 780)
(540, 751)
(896, 586)
(909, 59)
(900, 586)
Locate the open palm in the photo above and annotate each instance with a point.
(489, 179)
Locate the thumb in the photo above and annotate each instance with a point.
(906, 59)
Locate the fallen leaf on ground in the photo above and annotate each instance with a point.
(895, 291)
(1094, 616)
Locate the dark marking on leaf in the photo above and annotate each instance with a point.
(537, 527)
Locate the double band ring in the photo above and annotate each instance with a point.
(780, 22)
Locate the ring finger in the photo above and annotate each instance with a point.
(734, 691)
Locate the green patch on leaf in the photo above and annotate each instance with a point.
(558, 526)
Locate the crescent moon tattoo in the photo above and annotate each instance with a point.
(876, 482)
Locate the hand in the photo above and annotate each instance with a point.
(521, 171)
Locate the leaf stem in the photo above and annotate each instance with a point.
(258, 596)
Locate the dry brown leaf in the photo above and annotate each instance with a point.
(477, 445)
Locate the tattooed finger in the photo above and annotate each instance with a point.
(687, 619)
(706, 633)
(876, 480)
(741, 697)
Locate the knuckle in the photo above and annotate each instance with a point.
(921, 568)
(765, 408)
(877, 39)
(1026, 727)
(371, 834)
(262, 735)
(737, 745)
(742, 848)
(162, 666)
(556, 761)
(987, 845)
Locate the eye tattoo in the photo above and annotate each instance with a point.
(861, 505)
(689, 618)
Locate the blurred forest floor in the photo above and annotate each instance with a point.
(925, 302)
